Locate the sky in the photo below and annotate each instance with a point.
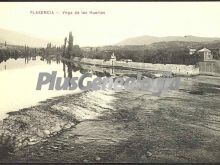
(121, 20)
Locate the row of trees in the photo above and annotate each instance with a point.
(70, 50)
(16, 52)
(6, 54)
(173, 52)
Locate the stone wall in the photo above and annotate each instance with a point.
(210, 67)
(174, 68)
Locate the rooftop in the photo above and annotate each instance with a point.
(204, 50)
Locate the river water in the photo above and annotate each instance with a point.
(177, 126)
(18, 83)
(19, 79)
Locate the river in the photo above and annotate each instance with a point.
(18, 83)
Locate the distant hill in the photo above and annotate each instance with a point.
(16, 38)
(147, 40)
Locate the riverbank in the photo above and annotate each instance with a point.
(32, 125)
(36, 124)
(187, 70)
(108, 126)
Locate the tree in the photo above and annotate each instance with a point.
(70, 46)
(64, 47)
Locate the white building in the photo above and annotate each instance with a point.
(112, 59)
(206, 54)
(192, 51)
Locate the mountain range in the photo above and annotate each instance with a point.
(18, 38)
(147, 40)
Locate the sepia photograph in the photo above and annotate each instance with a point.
(109, 82)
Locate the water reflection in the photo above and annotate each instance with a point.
(26, 60)
(20, 76)
(64, 70)
(48, 61)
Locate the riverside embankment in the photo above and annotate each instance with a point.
(187, 70)
(126, 126)
(202, 68)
